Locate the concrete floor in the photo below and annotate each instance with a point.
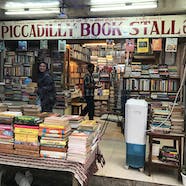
(114, 172)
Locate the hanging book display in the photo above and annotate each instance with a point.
(62, 45)
(143, 45)
(22, 45)
(129, 45)
(43, 44)
(156, 44)
(171, 44)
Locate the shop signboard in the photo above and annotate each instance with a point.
(95, 28)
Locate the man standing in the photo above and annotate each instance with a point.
(89, 86)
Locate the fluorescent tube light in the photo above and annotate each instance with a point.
(123, 7)
(33, 11)
(15, 5)
(94, 44)
(99, 2)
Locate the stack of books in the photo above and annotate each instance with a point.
(145, 71)
(127, 71)
(6, 131)
(3, 107)
(26, 129)
(160, 122)
(159, 95)
(177, 119)
(169, 154)
(62, 99)
(74, 120)
(173, 71)
(88, 125)
(163, 71)
(15, 108)
(83, 142)
(31, 110)
(136, 69)
(154, 71)
(54, 133)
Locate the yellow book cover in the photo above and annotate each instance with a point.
(26, 138)
(88, 122)
(143, 45)
(52, 142)
(26, 131)
(51, 126)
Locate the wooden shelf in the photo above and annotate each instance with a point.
(161, 163)
(170, 136)
(144, 57)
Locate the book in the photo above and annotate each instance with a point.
(171, 44)
(143, 45)
(43, 44)
(22, 45)
(129, 45)
(157, 44)
(62, 45)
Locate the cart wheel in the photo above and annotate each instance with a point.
(141, 169)
(126, 167)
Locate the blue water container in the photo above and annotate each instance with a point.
(135, 155)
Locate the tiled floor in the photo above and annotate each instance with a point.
(112, 146)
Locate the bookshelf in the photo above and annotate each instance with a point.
(77, 73)
(79, 57)
(156, 82)
(17, 68)
(58, 61)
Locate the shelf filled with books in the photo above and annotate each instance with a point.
(158, 82)
(79, 57)
(17, 68)
(77, 73)
(58, 60)
(79, 53)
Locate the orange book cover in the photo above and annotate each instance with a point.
(156, 44)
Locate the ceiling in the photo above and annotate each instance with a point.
(81, 9)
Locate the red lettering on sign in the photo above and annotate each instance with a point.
(85, 29)
(135, 29)
(155, 28)
(116, 29)
(23, 31)
(163, 28)
(173, 28)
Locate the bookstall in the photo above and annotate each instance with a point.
(140, 62)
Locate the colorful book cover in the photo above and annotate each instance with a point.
(143, 45)
(43, 44)
(156, 44)
(62, 45)
(171, 44)
(22, 45)
(129, 45)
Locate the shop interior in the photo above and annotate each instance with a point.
(113, 64)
